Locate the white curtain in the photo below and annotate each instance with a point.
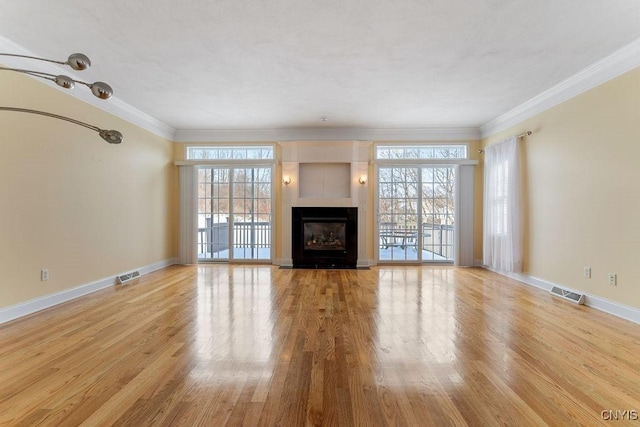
(187, 244)
(502, 241)
(464, 215)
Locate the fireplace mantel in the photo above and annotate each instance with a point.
(322, 159)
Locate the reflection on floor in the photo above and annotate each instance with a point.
(393, 253)
(238, 253)
(253, 345)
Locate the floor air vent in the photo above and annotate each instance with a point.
(123, 278)
(571, 296)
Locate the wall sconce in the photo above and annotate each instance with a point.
(362, 180)
(286, 180)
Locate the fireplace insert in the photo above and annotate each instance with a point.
(324, 237)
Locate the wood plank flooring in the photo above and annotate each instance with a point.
(215, 345)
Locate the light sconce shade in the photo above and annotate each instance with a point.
(100, 89)
(286, 180)
(362, 180)
(78, 61)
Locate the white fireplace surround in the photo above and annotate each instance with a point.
(325, 174)
(336, 168)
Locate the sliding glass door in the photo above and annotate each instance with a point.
(398, 213)
(416, 213)
(437, 213)
(234, 213)
(251, 229)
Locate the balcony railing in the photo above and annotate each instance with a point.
(438, 239)
(214, 238)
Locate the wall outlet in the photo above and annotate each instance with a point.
(587, 272)
(44, 274)
(613, 279)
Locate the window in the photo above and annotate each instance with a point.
(245, 152)
(424, 202)
(416, 201)
(234, 201)
(416, 213)
(234, 212)
(411, 152)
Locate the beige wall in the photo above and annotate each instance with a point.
(72, 203)
(582, 190)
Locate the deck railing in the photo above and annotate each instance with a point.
(215, 237)
(439, 239)
(436, 238)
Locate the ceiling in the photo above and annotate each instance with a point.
(285, 64)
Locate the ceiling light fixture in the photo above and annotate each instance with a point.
(79, 62)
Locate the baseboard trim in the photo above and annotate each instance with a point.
(631, 314)
(24, 309)
(366, 263)
(283, 262)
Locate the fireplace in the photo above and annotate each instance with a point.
(324, 237)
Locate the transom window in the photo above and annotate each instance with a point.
(245, 152)
(409, 152)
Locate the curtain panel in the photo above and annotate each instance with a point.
(187, 243)
(502, 239)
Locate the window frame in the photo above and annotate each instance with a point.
(420, 145)
(232, 147)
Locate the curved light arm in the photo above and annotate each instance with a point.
(77, 61)
(111, 136)
(99, 89)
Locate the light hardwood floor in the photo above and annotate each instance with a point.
(235, 345)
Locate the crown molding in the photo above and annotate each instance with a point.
(113, 106)
(126, 112)
(327, 134)
(610, 67)
(619, 62)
